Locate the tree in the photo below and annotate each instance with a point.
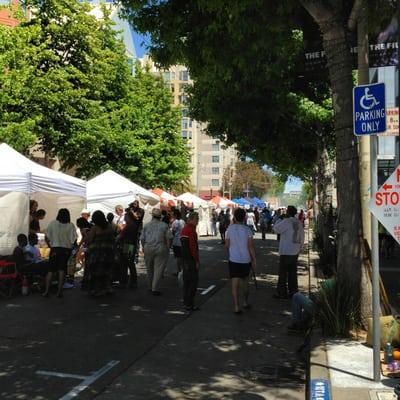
(247, 89)
(234, 40)
(306, 193)
(277, 187)
(249, 180)
(68, 88)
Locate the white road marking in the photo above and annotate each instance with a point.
(87, 380)
(62, 375)
(208, 290)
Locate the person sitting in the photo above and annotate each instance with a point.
(18, 253)
(304, 307)
(36, 264)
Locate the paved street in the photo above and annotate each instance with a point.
(136, 346)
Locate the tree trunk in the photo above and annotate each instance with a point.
(336, 47)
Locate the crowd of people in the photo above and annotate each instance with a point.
(107, 247)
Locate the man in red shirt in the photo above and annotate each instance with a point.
(190, 257)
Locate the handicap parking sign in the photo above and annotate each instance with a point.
(369, 109)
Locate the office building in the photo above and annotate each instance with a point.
(210, 159)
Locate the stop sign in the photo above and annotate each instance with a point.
(385, 205)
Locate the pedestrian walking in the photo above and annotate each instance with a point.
(100, 255)
(265, 218)
(250, 220)
(62, 237)
(156, 240)
(176, 229)
(119, 216)
(138, 215)
(191, 262)
(291, 233)
(214, 220)
(127, 243)
(224, 221)
(242, 258)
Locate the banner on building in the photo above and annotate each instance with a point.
(383, 47)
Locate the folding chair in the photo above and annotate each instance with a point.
(8, 277)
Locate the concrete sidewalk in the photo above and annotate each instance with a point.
(348, 367)
(216, 354)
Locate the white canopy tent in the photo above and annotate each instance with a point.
(191, 199)
(22, 179)
(202, 207)
(109, 189)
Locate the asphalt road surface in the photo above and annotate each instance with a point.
(50, 346)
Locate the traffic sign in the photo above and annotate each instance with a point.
(369, 109)
(385, 205)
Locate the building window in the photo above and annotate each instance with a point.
(184, 134)
(184, 75)
(215, 159)
(185, 111)
(215, 146)
(189, 134)
(184, 123)
(183, 98)
(215, 182)
(215, 170)
(166, 76)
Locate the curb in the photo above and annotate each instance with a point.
(318, 385)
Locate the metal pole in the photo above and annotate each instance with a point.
(375, 265)
(309, 263)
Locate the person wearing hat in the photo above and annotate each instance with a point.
(291, 241)
(156, 240)
(85, 213)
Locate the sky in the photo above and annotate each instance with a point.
(293, 184)
(139, 46)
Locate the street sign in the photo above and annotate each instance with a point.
(320, 389)
(385, 205)
(369, 109)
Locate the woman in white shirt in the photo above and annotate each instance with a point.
(250, 221)
(62, 236)
(242, 258)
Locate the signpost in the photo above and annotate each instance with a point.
(369, 109)
(385, 205)
(369, 118)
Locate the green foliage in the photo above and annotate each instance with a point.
(67, 87)
(249, 176)
(337, 310)
(245, 59)
(277, 186)
(306, 192)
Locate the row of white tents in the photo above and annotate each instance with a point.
(21, 180)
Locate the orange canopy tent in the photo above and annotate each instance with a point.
(167, 199)
(222, 202)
